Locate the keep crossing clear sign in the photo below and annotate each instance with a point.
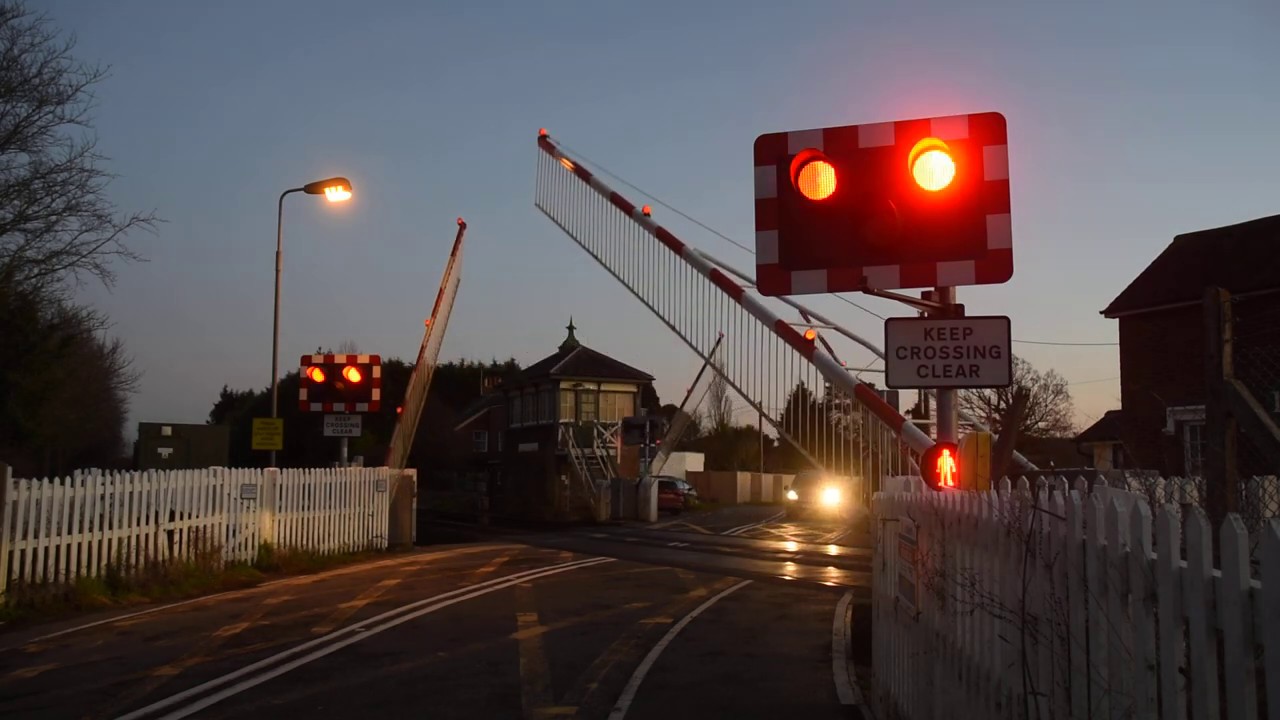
(965, 352)
(342, 426)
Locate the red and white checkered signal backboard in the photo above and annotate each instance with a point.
(861, 216)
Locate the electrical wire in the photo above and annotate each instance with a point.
(1087, 382)
(1068, 344)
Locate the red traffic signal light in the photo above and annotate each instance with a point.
(940, 466)
(813, 175)
(340, 383)
(906, 204)
(932, 166)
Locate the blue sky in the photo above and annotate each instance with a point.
(1129, 122)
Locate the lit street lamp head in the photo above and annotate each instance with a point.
(336, 189)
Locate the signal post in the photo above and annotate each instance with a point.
(879, 207)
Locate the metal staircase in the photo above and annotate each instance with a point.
(591, 448)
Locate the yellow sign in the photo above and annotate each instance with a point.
(975, 461)
(268, 433)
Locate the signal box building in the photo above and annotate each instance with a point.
(542, 438)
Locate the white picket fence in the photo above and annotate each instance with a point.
(54, 530)
(1071, 605)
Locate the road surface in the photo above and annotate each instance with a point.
(594, 623)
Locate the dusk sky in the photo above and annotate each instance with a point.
(1129, 123)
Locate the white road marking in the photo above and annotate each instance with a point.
(841, 667)
(245, 591)
(835, 537)
(629, 692)
(677, 544)
(357, 633)
(749, 526)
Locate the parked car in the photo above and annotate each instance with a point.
(814, 493)
(675, 495)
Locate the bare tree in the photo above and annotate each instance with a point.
(719, 412)
(1048, 407)
(56, 222)
(348, 347)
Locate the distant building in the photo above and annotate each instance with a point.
(1163, 346)
(177, 446)
(523, 434)
(1102, 443)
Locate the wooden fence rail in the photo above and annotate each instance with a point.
(1065, 603)
(55, 530)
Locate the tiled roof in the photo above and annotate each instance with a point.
(579, 362)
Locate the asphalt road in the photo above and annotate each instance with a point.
(594, 623)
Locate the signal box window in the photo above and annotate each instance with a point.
(547, 405)
(616, 405)
(566, 406)
(587, 406)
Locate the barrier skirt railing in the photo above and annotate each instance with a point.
(55, 530)
(415, 395)
(1067, 603)
(838, 423)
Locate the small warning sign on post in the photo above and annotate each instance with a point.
(268, 434)
(965, 352)
(342, 426)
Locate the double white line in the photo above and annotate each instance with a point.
(749, 526)
(275, 666)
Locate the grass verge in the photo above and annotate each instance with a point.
(203, 574)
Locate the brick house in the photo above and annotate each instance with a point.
(516, 432)
(1163, 345)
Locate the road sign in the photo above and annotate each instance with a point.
(966, 352)
(339, 383)
(342, 426)
(905, 204)
(268, 434)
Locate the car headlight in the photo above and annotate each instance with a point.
(830, 496)
(793, 495)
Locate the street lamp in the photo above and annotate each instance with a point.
(335, 189)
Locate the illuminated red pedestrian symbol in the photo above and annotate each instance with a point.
(946, 468)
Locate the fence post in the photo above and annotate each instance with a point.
(267, 506)
(402, 506)
(6, 483)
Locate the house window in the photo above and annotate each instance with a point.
(587, 406)
(480, 441)
(516, 417)
(530, 408)
(566, 406)
(1193, 449)
(499, 436)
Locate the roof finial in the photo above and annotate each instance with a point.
(571, 341)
